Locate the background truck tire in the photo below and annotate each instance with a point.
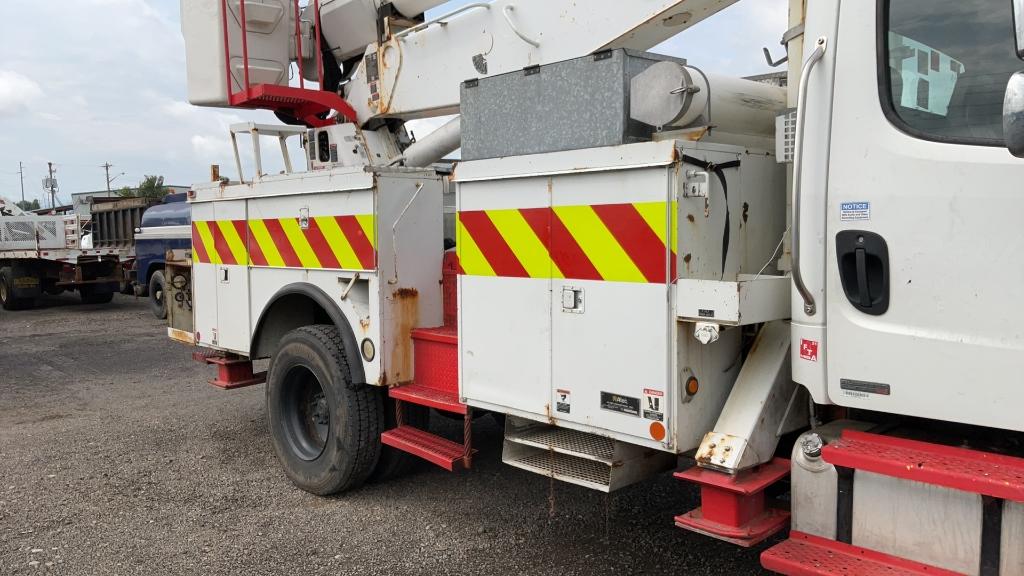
(325, 429)
(7, 299)
(92, 295)
(394, 463)
(157, 303)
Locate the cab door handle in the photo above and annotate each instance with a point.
(863, 259)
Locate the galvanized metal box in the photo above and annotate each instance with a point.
(570, 105)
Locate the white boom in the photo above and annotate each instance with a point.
(413, 71)
(419, 70)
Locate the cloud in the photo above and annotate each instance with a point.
(17, 92)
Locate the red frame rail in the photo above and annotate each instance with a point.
(303, 103)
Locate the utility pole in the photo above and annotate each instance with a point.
(110, 180)
(52, 185)
(21, 173)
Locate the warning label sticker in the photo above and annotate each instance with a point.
(563, 401)
(654, 405)
(619, 403)
(809, 350)
(853, 211)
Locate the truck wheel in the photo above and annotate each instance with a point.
(394, 463)
(325, 429)
(90, 295)
(7, 299)
(156, 295)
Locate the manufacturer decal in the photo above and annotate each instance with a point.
(619, 403)
(854, 211)
(859, 388)
(563, 401)
(654, 405)
(809, 350)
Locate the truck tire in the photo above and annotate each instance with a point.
(157, 302)
(394, 463)
(325, 429)
(90, 295)
(7, 299)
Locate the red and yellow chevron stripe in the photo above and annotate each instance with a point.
(609, 242)
(330, 242)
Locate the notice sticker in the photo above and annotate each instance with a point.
(619, 403)
(563, 401)
(854, 211)
(654, 405)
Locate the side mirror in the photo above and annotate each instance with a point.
(1013, 115)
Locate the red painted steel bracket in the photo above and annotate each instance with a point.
(733, 508)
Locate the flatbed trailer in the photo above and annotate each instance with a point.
(43, 255)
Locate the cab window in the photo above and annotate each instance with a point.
(945, 66)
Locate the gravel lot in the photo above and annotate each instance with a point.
(117, 458)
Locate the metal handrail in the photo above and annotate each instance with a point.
(810, 306)
(508, 18)
(441, 19)
(245, 44)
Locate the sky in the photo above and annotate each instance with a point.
(87, 82)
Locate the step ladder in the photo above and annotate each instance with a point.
(435, 385)
(996, 478)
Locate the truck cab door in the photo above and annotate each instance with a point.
(923, 238)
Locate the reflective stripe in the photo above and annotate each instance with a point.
(330, 242)
(604, 251)
(610, 242)
(232, 242)
(471, 259)
(206, 236)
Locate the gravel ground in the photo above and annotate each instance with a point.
(117, 458)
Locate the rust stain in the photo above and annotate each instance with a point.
(405, 315)
(404, 293)
(691, 218)
(746, 211)
(686, 260)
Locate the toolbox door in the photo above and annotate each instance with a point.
(610, 310)
(505, 293)
(204, 275)
(232, 280)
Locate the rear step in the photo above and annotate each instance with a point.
(972, 471)
(806, 555)
(587, 460)
(436, 386)
(994, 477)
(430, 447)
(432, 397)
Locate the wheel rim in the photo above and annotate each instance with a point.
(3, 292)
(158, 296)
(307, 417)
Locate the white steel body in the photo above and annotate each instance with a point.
(518, 347)
(409, 253)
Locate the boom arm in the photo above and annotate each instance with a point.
(417, 72)
(239, 52)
